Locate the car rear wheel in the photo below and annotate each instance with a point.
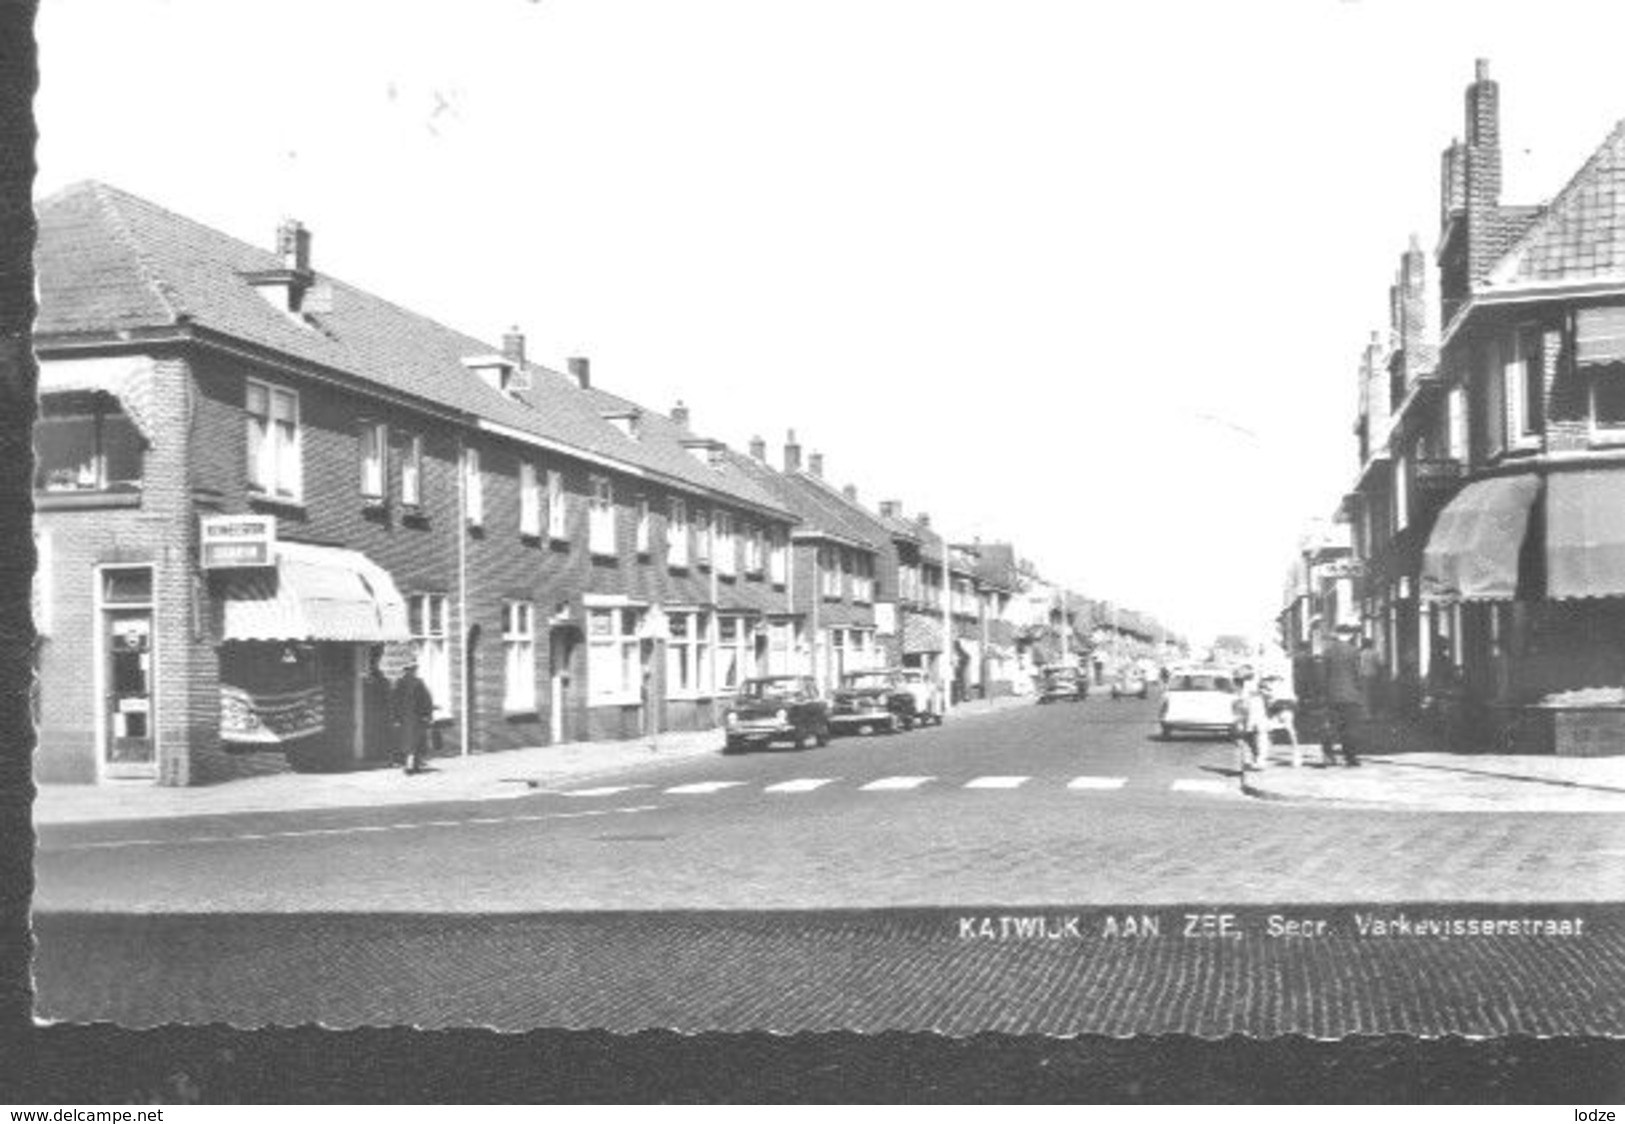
(1167, 732)
(821, 736)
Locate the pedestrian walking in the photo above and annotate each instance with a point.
(1343, 692)
(1281, 713)
(412, 710)
(1252, 722)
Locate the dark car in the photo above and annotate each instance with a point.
(778, 708)
(1062, 683)
(867, 701)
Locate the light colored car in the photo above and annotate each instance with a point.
(927, 692)
(1130, 681)
(1200, 701)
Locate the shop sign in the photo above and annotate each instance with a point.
(233, 541)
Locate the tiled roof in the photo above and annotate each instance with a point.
(806, 498)
(1580, 235)
(109, 262)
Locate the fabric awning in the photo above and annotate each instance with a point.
(127, 378)
(921, 635)
(1599, 336)
(315, 593)
(1585, 534)
(1472, 554)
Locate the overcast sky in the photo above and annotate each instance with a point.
(1092, 280)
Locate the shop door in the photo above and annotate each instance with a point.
(129, 748)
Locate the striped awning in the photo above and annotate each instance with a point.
(127, 378)
(314, 593)
(1472, 554)
(1599, 336)
(1585, 534)
(921, 635)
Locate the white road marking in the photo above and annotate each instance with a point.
(360, 829)
(806, 784)
(606, 790)
(1202, 786)
(997, 782)
(1097, 782)
(702, 788)
(892, 784)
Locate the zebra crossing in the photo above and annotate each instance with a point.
(801, 786)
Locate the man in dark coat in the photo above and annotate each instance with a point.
(1343, 695)
(412, 710)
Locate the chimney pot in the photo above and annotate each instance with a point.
(758, 449)
(1481, 69)
(815, 464)
(891, 509)
(581, 370)
(792, 454)
(513, 346)
(850, 492)
(293, 245)
(679, 414)
(923, 519)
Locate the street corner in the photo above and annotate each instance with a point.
(1420, 785)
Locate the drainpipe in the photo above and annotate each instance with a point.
(466, 740)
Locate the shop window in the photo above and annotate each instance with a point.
(86, 443)
(1608, 401)
(614, 661)
(519, 657)
(426, 621)
(275, 445)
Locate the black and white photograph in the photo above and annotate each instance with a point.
(759, 517)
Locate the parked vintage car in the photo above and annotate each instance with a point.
(871, 701)
(1199, 700)
(1062, 682)
(777, 708)
(929, 705)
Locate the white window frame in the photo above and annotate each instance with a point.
(1456, 423)
(1515, 390)
(778, 558)
(277, 472)
(677, 545)
(473, 487)
(688, 654)
(614, 656)
(412, 472)
(1401, 508)
(740, 649)
(727, 550)
(374, 446)
(642, 545)
(558, 524)
(530, 501)
(702, 537)
(519, 657)
(601, 517)
(430, 646)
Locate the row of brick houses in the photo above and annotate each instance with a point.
(1487, 519)
(259, 489)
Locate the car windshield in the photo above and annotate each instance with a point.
(868, 680)
(771, 689)
(1200, 683)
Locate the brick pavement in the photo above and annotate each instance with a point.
(1044, 970)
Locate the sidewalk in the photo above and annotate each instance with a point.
(1410, 772)
(483, 776)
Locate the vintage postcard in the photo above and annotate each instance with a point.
(918, 516)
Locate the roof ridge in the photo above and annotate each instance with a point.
(1551, 207)
(120, 225)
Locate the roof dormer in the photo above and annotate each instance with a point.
(499, 372)
(707, 450)
(628, 420)
(291, 287)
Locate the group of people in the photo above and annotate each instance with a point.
(409, 708)
(1344, 674)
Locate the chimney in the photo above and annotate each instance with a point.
(1412, 321)
(891, 509)
(850, 492)
(923, 520)
(513, 346)
(679, 414)
(758, 449)
(293, 245)
(581, 371)
(1483, 188)
(815, 465)
(792, 453)
(1452, 182)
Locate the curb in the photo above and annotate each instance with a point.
(1452, 804)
